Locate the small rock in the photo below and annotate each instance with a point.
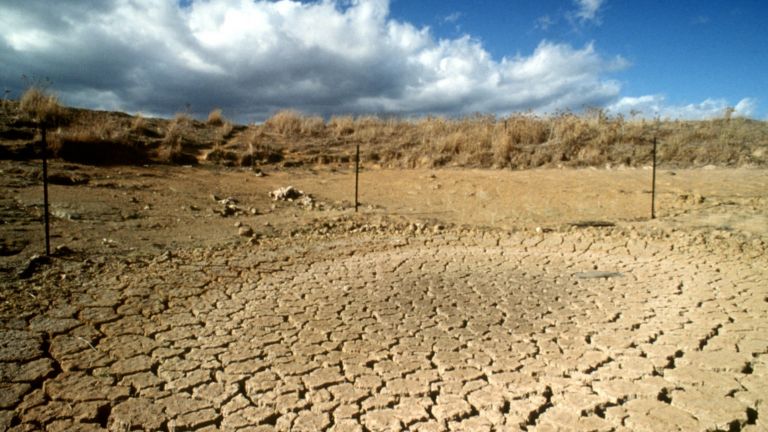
(245, 231)
(285, 194)
(238, 224)
(34, 262)
(228, 201)
(228, 211)
(65, 214)
(62, 250)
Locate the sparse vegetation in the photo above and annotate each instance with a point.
(517, 141)
(215, 118)
(41, 106)
(138, 123)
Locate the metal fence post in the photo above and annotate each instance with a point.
(45, 192)
(653, 183)
(357, 175)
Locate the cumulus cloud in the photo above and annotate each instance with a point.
(254, 57)
(650, 106)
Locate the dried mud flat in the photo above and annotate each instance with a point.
(408, 316)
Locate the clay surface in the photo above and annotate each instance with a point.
(454, 300)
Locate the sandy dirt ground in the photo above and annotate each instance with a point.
(471, 300)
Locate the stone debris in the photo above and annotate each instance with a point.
(32, 265)
(228, 201)
(287, 193)
(291, 194)
(65, 214)
(229, 206)
(245, 231)
(392, 327)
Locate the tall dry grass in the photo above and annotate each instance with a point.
(516, 141)
(41, 106)
(215, 117)
(526, 140)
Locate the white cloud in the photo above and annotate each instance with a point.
(588, 9)
(452, 18)
(650, 106)
(544, 22)
(254, 57)
(746, 107)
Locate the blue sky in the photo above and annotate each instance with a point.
(680, 59)
(688, 51)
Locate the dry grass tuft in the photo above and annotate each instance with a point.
(41, 106)
(286, 123)
(139, 123)
(215, 118)
(342, 125)
(171, 149)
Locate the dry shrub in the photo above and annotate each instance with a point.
(226, 130)
(527, 130)
(571, 132)
(171, 149)
(41, 106)
(292, 123)
(312, 126)
(258, 149)
(215, 118)
(368, 128)
(285, 122)
(502, 147)
(342, 125)
(173, 133)
(183, 117)
(139, 123)
(466, 142)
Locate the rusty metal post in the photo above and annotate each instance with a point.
(653, 183)
(45, 193)
(357, 175)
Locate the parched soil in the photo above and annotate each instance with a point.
(453, 300)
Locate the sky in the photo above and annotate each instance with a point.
(408, 58)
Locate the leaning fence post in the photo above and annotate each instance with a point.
(357, 174)
(653, 182)
(45, 192)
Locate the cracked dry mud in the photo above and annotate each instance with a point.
(363, 323)
(455, 331)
